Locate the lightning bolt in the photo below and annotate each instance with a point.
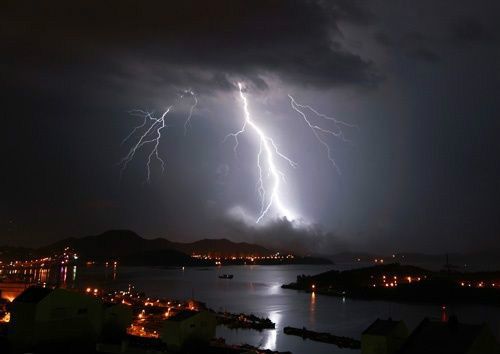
(266, 161)
(270, 177)
(319, 131)
(187, 123)
(152, 133)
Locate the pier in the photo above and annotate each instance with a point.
(341, 342)
(241, 320)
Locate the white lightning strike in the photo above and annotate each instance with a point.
(269, 149)
(152, 134)
(318, 131)
(267, 155)
(187, 123)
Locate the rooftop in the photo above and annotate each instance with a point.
(183, 315)
(382, 327)
(33, 294)
(432, 337)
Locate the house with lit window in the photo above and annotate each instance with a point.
(188, 328)
(383, 337)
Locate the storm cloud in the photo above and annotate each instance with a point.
(195, 42)
(284, 235)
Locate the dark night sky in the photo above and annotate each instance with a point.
(420, 79)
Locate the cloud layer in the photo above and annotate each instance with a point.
(194, 41)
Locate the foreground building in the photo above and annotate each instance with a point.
(452, 337)
(383, 337)
(42, 316)
(188, 328)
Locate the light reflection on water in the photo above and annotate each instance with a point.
(56, 275)
(21, 278)
(271, 340)
(312, 309)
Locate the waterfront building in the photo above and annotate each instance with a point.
(452, 337)
(383, 337)
(188, 327)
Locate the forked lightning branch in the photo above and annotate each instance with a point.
(148, 135)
